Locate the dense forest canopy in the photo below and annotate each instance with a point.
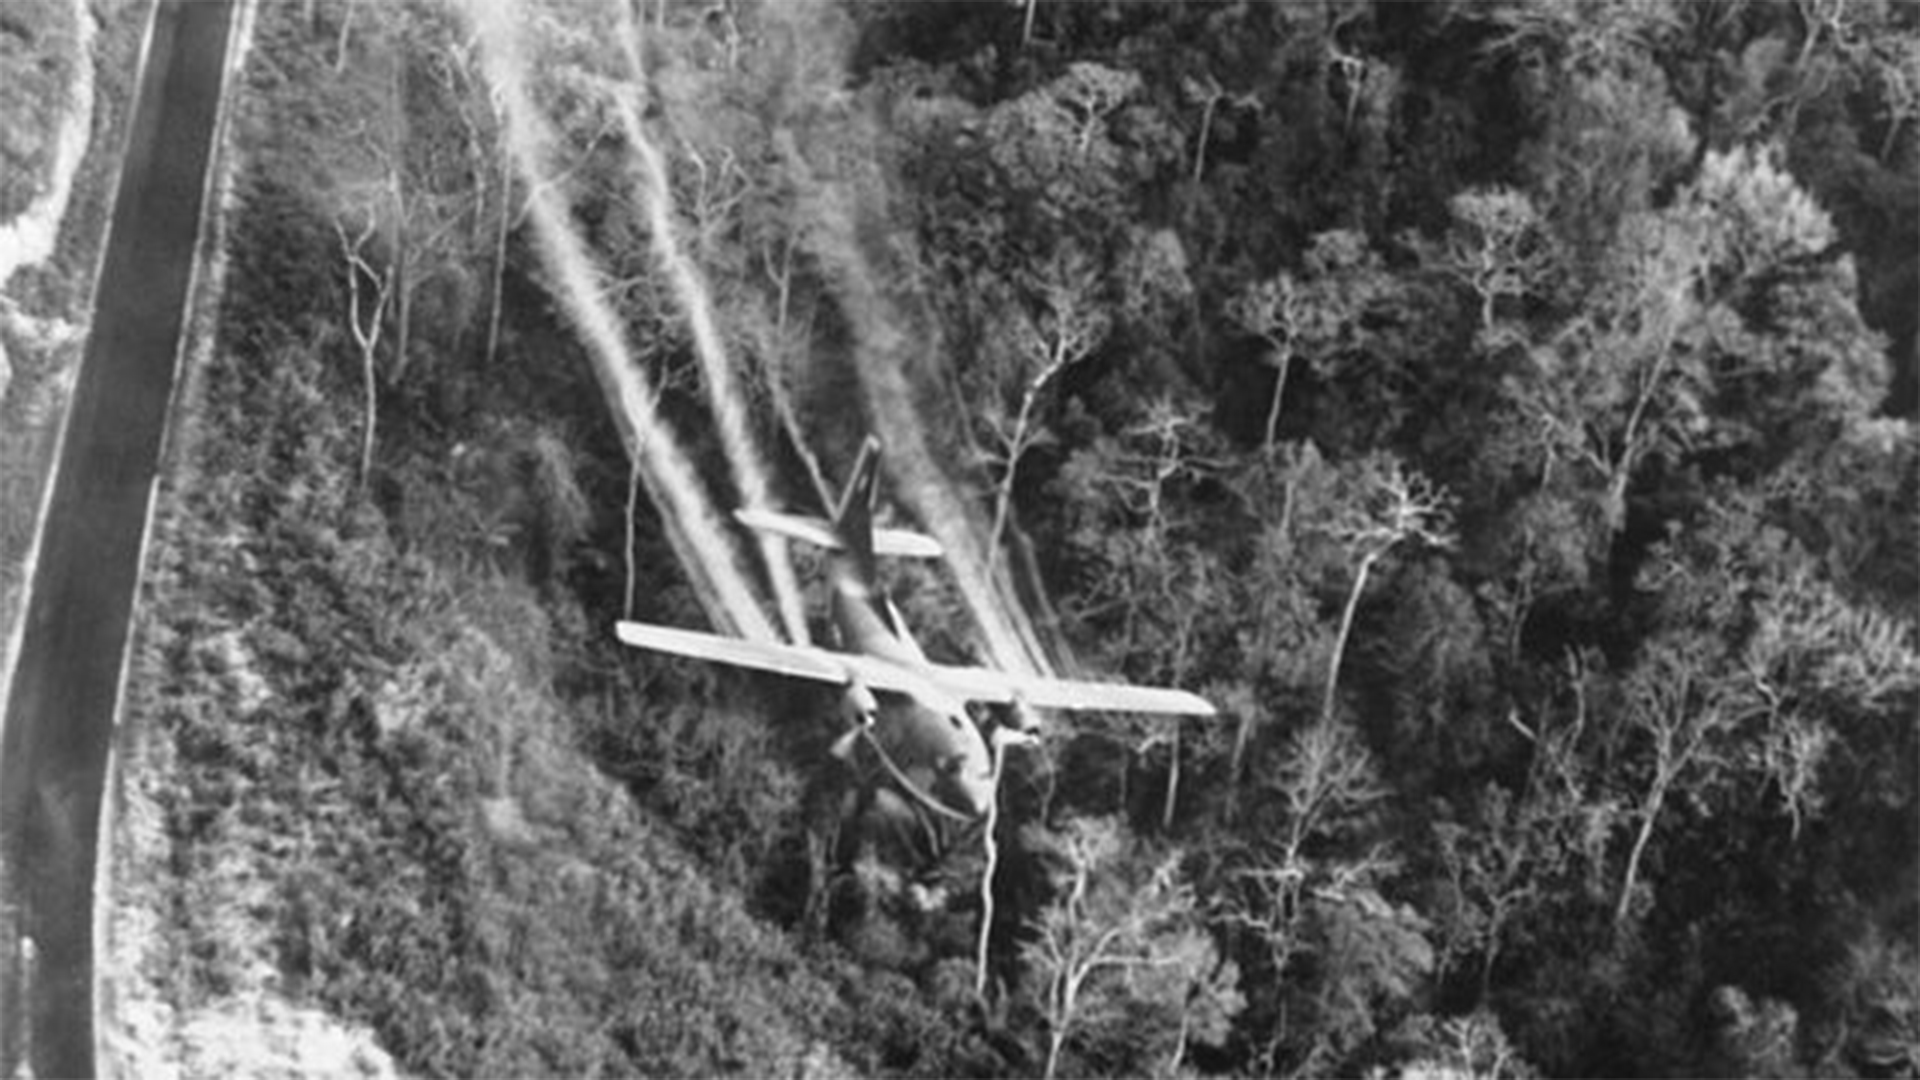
(1503, 410)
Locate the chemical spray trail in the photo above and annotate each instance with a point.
(729, 404)
(704, 546)
(881, 354)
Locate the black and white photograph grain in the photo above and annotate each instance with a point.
(897, 539)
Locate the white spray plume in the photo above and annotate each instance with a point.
(881, 354)
(704, 546)
(724, 393)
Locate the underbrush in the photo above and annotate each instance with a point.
(36, 47)
(1540, 746)
(393, 763)
(377, 793)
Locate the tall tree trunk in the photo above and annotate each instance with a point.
(992, 845)
(1279, 393)
(372, 412)
(1206, 128)
(1056, 1040)
(366, 328)
(505, 200)
(633, 507)
(1002, 502)
(1340, 639)
(1173, 781)
(402, 309)
(340, 46)
(400, 133)
(1655, 799)
(1242, 735)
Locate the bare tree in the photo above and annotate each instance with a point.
(1091, 93)
(1671, 701)
(1272, 311)
(1397, 507)
(1328, 774)
(504, 217)
(1326, 780)
(1318, 316)
(1210, 94)
(367, 321)
(1002, 738)
(1615, 385)
(1070, 326)
(1496, 248)
(1130, 953)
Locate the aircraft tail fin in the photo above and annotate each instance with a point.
(853, 521)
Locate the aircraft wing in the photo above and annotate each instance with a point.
(797, 661)
(1003, 688)
(974, 684)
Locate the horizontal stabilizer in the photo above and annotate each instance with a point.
(894, 543)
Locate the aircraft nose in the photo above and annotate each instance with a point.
(969, 785)
(976, 794)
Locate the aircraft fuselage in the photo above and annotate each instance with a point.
(927, 736)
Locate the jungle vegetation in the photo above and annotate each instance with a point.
(1503, 410)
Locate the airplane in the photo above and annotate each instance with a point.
(909, 711)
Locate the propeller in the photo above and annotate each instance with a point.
(858, 707)
(1026, 720)
(1002, 736)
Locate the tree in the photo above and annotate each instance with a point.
(1879, 998)
(1672, 701)
(1324, 784)
(1317, 316)
(1527, 865)
(1611, 134)
(1470, 1047)
(1145, 572)
(1149, 586)
(1326, 780)
(366, 325)
(418, 166)
(1760, 670)
(1069, 327)
(1120, 965)
(1752, 1038)
(1206, 90)
(1390, 507)
(1854, 502)
(1791, 359)
(1330, 951)
(1717, 325)
(1497, 250)
(1052, 145)
(1622, 381)
(1492, 872)
(1275, 312)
